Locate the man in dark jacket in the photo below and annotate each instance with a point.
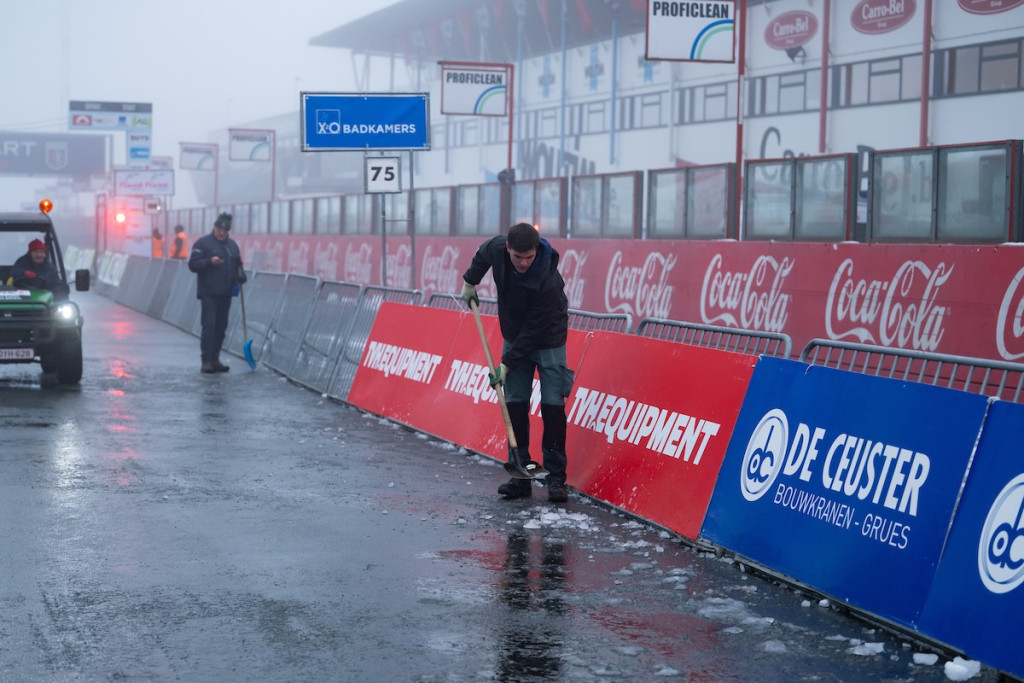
(33, 268)
(533, 313)
(217, 263)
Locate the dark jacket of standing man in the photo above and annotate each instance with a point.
(534, 316)
(217, 262)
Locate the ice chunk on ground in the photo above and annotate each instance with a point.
(962, 669)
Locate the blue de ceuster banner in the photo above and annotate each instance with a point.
(977, 598)
(845, 482)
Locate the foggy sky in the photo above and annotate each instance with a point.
(202, 65)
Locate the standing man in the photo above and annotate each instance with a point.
(179, 247)
(218, 265)
(158, 243)
(534, 316)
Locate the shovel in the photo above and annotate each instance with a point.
(513, 466)
(247, 346)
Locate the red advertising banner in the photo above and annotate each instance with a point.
(649, 423)
(649, 420)
(955, 299)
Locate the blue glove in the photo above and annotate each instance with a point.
(498, 376)
(236, 290)
(469, 294)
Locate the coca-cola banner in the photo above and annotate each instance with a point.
(954, 299)
(648, 420)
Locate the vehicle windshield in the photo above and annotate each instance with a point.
(14, 245)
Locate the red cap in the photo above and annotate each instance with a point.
(36, 245)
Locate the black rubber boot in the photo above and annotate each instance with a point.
(555, 459)
(516, 488)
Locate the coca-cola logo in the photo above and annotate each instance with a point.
(900, 312)
(749, 300)
(358, 263)
(325, 261)
(1010, 324)
(440, 272)
(882, 16)
(298, 258)
(571, 268)
(640, 291)
(988, 6)
(791, 29)
(399, 266)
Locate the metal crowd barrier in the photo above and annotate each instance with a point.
(750, 342)
(998, 379)
(314, 332)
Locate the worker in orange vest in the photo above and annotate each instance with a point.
(158, 243)
(179, 248)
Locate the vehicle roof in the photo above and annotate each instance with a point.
(25, 222)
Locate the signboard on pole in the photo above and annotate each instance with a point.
(475, 89)
(197, 156)
(699, 31)
(249, 145)
(333, 122)
(143, 182)
(383, 175)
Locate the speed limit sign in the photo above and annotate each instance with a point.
(382, 175)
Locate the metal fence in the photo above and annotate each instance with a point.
(998, 379)
(314, 332)
(750, 342)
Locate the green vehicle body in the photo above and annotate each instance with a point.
(39, 325)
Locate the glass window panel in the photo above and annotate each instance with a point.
(964, 68)
(396, 207)
(768, 200)
(708, 210)
(972, 194)
(910, 88)
(442, 211)
(858, 84)
(716, 102)
(279, 217)
(523, 203)
(791, 92)
(549, 205)
(771, 95)
(666, 206)
(902, 196)
(621, 206)
(424, 214)
(258, 219)
(586, 207)
(885, 81)
(650, 110)
(595, 122)
(467, 210)
(821, 199)
(1000, 66)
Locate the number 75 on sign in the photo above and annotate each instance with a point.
(383, 175)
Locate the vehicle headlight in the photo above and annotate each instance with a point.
(66, 312)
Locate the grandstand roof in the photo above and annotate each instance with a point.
(484, 30)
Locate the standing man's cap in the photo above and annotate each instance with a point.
(36, 245)
(223, 221)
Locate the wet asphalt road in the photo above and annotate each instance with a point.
(160, 524)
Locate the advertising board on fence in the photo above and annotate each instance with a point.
(845, 482)
(650, 447)
(977, 598)
(649, 423)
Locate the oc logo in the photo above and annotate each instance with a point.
(1001, 546)
(765, 453)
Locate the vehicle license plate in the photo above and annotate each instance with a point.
(17, 354)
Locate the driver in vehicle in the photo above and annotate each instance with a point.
(34, 269)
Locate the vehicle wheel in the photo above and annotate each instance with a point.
(69, 365)
(48, 361)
